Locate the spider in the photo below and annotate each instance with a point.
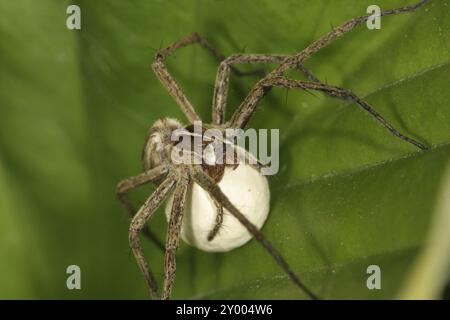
(175, 179)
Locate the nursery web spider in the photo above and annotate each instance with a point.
(176, 179)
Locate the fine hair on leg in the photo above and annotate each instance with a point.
(133, 182)
(138, 222)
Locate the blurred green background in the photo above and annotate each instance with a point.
(76, 105)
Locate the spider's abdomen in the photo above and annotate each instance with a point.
(247, 189)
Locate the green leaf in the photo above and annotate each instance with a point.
(431, 269)
(76, 107)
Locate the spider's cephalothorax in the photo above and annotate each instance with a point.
(157, 148)
(166, 145)
(179, 180)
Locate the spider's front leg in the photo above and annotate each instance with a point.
(208, 184)
(245, 110)
(223, 78)
(138, 223)
(160, 69)
(339, 93)
(329, 37)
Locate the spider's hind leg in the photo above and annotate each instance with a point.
(240, 155)
(138, 223)
(133, 182)
(213, 189)
(218, 223)
(245, 110)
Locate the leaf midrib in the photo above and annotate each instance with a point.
(307, 273)
(356, 170)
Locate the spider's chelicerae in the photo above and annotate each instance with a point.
(184, 182)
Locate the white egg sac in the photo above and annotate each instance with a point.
(246, 188)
